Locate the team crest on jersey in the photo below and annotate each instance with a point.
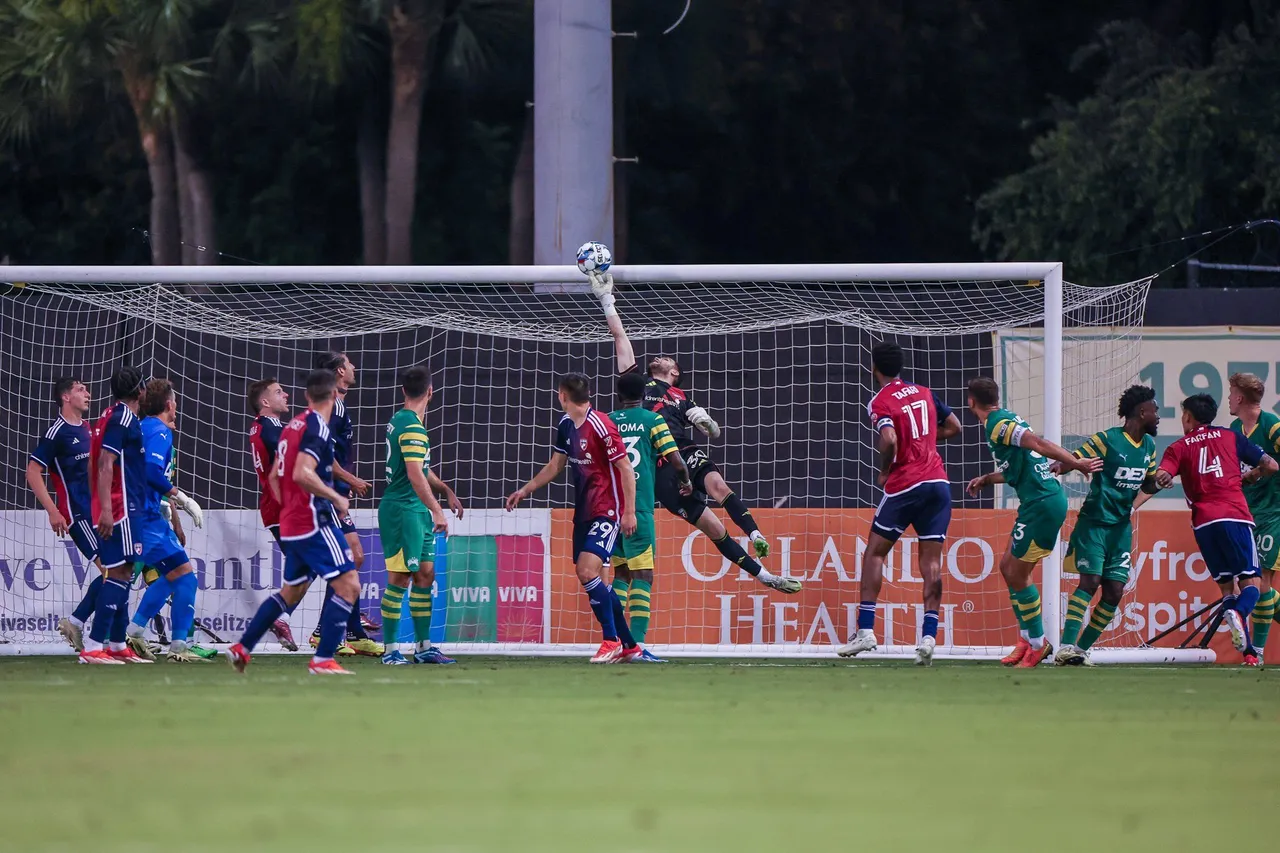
(582, 442)
(137, 548)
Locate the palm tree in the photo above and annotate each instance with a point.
(54, 55)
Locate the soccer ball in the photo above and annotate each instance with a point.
(594, 257)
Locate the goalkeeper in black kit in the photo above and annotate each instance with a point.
(662, 394)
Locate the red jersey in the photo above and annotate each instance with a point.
(264, 437)
(592, 449)
(95, 451)
(914, 412)
(302, 514)
(1208, 461)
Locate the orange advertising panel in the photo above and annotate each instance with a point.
(700, 598)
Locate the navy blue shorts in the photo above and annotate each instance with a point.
(147, 539)
(346, 524)
(597, 536)
(1229, 550)
(323, 554)
(85, 535)
(926, 507)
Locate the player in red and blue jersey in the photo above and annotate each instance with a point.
(1207, 459)
(605, 486)
(269, 402)
(345, 482)
(312, 542)
(908, 419)
(63, 452)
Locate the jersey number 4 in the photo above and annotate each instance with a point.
(910, 409)
(1207, 467)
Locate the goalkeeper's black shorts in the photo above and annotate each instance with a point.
(666, 486)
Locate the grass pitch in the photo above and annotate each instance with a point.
(505, 755)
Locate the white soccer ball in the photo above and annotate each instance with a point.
(594, 257)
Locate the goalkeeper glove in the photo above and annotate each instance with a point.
(602, 287)
(698, 417)
(191, 508)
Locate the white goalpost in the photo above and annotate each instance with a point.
(779, 352)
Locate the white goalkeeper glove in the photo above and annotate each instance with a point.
(191, 508)
(602, 287)
(698, 417)
(165, 510)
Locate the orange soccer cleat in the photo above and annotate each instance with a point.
(630, 655)
(327, 667)
(608, 652)
(239, 657)
(1033, 657)
(128, 655)
(1018, 653)
(99, 657)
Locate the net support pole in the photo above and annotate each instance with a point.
(1051, 594)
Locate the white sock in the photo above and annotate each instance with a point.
(74, 621)
(1026, 635)
(134, 630)
(116, 647)
(92, 645)
(1036, 642)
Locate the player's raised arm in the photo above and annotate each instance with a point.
(553, 469)
(602, 287)
(1028, 440)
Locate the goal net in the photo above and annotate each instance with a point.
(780, 356)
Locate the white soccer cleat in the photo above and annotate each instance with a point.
(72, 633)
(863, 641)
(790, 586)
(1236, 624)
(924, 651)
(1069, 655)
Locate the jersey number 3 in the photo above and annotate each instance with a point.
(632, 443)
(910, 410)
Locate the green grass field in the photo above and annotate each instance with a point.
(501, 755)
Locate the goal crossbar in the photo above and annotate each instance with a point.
(647, 273)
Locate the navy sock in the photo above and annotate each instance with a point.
(620, 620)
(90, 600)
(930, 626)
(599, 594)
(152, 602)
(867, 616)
(120, 624)
(183, 607)
(112, 599)
(333, 626)
(1247, 601)
(268, 612)
(354, 626)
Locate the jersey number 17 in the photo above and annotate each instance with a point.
(910, 410)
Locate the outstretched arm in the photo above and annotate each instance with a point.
(1033, 442)
(553, 468)
(602, 287)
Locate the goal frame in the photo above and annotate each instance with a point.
(1048, 274)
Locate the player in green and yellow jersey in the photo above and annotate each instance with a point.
(649, 443)
(409, 516)
(1263, 429)
(1103, 536)
(1022, 461)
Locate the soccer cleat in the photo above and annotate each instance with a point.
(1088, 658)
(1236, 624)
(924, 651)
(72, 633)
(394, 658)
(1033, 657)
(101, 656)
(369, 625)
(239, 657)
(127, 655)
(365, 646)
(630, 655)
(647, 656)
(1069, 655)
(1019, 652)
(182, 653)
(140, 648)
(432, 655)
(863, 641)
(343, 650)
(788, 585)
(203, 652)
(281, 629)
(327, 667)
(761, 546)
(608, 652)
(1252, 660)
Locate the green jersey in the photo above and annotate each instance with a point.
(1264, 495)
(647, 439)
(406, 442)
(1025, 471)
(1125, 464)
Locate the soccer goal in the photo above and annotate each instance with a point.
(778, 353)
